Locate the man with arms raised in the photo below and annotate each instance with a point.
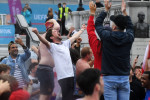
(116, 53)
(45, 69)
(17, 62)
(60, 52)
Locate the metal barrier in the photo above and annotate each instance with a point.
(81, 17)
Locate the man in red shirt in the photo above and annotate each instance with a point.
(94, 42)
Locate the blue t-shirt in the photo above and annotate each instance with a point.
(147, 97)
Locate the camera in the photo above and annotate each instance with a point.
(107, 23)
(35, 81)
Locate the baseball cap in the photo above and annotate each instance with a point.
(120, 21)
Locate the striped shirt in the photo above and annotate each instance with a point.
(18, 76)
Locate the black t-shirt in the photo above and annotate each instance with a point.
(137, 92)
(77, 48)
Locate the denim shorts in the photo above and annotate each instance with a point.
(45, 75)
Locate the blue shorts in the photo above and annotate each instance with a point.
(45, 75)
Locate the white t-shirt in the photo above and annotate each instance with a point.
(62, 59)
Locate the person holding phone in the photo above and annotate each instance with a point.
(17, 61)
(135, 61)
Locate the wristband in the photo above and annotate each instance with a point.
(24, 47)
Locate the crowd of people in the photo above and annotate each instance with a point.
(101, 71)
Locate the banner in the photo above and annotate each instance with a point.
(15, 8)
(39, 12)
(6, 33)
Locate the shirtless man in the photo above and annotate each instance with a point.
(45, 69)
(82, 64)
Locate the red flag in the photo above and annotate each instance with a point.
(146, 57)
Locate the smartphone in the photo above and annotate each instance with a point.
(35, 81)
(17, 36)
(107, 23)
(137, 56)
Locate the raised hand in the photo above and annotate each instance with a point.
(4, 86)
(33, 47)
(35, 31)
(139, 74)
(123, 8)
(107, 5)
(83, 27)
(19, 41)
(92, 7)
(42, 39)
(56, 12)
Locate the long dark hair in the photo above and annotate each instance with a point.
(50, 12)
